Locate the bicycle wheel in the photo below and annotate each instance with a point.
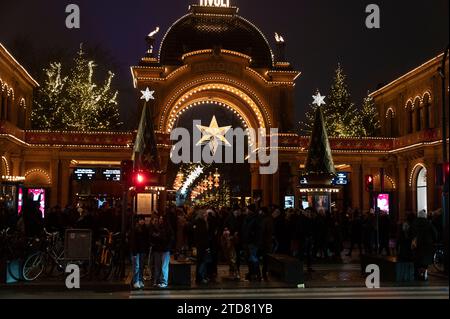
(438, 260)
(34, 266)
(105, 265)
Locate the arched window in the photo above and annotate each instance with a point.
(410, 116)
(421, 189)
(390, 123)
(418, 111)
(426, 110)
(21, 114)
(9, 105)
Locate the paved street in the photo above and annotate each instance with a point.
(265, 293)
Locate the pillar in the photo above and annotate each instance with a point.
(430, 164)
(403, 185)
(276, 189)
(357, 186)
(295, 183)
(16, 169)
(64, 182)
(54, 173)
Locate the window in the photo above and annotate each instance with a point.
(422, 190)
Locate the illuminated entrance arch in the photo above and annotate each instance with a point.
(212, 56)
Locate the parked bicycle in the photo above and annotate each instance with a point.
(50, 256)
(106, 256)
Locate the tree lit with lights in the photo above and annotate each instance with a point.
(72, 100)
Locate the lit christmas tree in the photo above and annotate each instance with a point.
(341, 112)
(368, 121)
(76, 102)
(341, 117)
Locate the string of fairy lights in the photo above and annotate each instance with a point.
(204, 182)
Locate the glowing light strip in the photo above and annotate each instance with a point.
(429, 62)
(191, 179)
(389, 178)
(4, 160)
(19, 65)
(192, 88)
(413, 171)
(390, 110)
(39, 171)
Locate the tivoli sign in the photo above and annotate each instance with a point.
(215, 3)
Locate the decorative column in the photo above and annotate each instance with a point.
(403, 184)
(432, 191)
(64, 180)
(356, 182)
(16, 169)
(276, 188)
(256, 177)
(295, 183)
(54, 173)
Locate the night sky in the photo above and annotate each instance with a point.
(319, 34)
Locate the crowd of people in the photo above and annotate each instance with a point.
(244, 235)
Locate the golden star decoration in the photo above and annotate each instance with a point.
(214, 135)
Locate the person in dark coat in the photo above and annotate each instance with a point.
(304, 232)
(202, 244)
(356, 232)
(32, 218)
(139, 245)
(405, 239)
(234, 225)
(279, 230)
(214, 237)
(251, 231)
(424, 236)
(266, 239)
(163, 239)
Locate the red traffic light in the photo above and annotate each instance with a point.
(140, 178)
(447, 169)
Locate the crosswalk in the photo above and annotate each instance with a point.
(308, 293)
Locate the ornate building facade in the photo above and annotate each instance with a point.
(214, 56)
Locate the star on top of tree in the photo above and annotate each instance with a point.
(147, 95)
(319, 99)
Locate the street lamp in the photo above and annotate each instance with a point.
(445, 157)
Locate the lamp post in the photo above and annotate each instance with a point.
(445, 158)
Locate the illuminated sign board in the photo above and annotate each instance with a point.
(341, 179)
(84, 174)
(215, 3)
(112, 175)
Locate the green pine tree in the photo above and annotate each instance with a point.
(342, 110)
(367, 123)
(342, 118)
(76, 101)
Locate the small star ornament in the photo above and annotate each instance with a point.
(147, 95)
(214, 135)
(319, 99)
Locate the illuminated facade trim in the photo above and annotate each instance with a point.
(40, 172)
(413, 172)
(5, 162)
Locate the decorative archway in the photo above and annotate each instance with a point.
(37, 177)
(225, 91)
(4, 167)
